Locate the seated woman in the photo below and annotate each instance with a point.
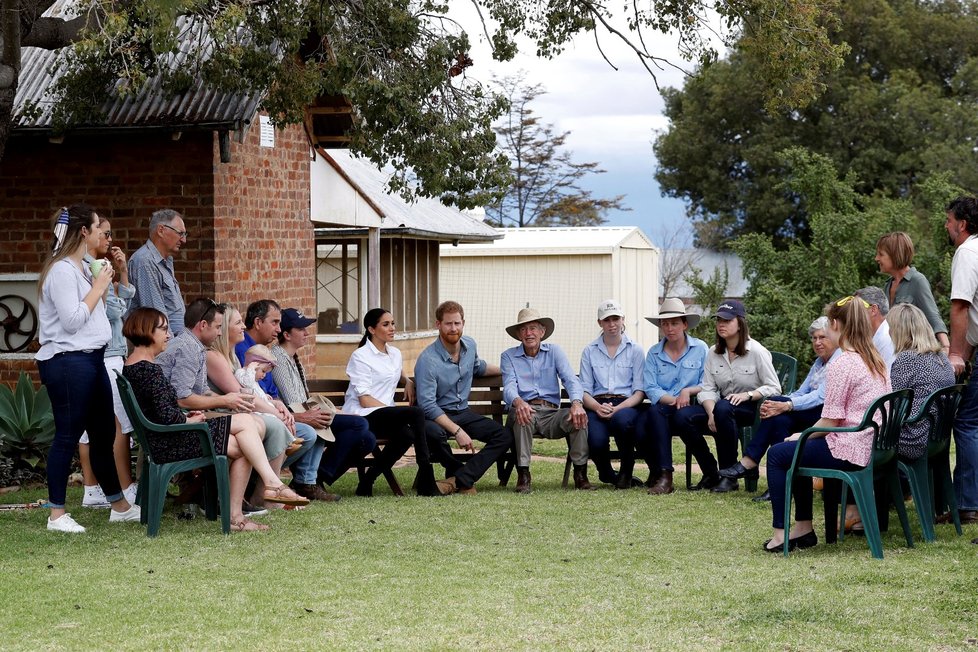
(673, 374)
(739, 372)
(855, 379)
(921, 365)
(783, 415)
(375, 371)
(233, 435)
(611, 374)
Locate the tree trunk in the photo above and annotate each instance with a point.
(9, 65)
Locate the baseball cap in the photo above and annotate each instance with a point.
(730, 308)
(293, 318)
(609, 307)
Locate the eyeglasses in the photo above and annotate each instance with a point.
(181, 234)
(107, 234)
(845, 301)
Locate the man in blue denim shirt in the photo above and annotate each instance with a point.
(443, 380)
(530, 388)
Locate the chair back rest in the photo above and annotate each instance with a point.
(939, 411)
(786, 367)
(140, 424)
(886, 416)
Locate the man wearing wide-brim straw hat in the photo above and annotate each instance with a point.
(532, 374)
(673, 375)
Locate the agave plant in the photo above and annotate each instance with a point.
(26, 422)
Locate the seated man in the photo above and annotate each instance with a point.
(530, 388)
(443, 380)
(353, 439)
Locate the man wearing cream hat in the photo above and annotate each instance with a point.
(531, 371)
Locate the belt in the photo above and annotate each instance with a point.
(543, 403)
(606, 397)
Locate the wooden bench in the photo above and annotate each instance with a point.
(486, 398)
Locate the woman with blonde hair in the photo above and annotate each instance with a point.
(856, 378)
(894, 253)
(920, 365)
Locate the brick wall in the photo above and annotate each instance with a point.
(250, 234)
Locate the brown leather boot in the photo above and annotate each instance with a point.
(663, 485)
(522, 480)
(580, 478)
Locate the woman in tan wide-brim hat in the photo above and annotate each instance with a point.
(672, 375)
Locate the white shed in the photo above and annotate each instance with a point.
(563, 272)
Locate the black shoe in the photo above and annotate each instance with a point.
(738, 470)
(250, 510)
(707, 482)
(798, 543)
(725, 485)
(764, 497)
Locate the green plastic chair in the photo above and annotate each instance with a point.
(885, 417)
(155, 478)
(939, 410)
(786, 367)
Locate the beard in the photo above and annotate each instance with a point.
(451, 338)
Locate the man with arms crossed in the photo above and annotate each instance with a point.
(151, 268)
(443, 380)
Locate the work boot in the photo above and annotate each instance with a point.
(580, 478)
(522, 480)
(625, 474)
(663, 485)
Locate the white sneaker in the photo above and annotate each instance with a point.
(65, 523)
(94, 497)
(130, 493)
(128, 516)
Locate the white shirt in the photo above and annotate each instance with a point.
(883, 344)
(964, 283)
(66, 324)
(372, 372)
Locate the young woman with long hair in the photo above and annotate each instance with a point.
(856, 378)
(375, 370)
(73, 335)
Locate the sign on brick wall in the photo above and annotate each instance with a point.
(267, 131)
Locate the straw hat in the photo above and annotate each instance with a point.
(525, 317)
(671, 309)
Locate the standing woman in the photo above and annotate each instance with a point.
(611, 375)
(894, 253)
(375, 370)
(855, 379)
(738, 374)
(73, 335)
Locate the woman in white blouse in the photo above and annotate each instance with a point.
(738, 374)
(375, 371)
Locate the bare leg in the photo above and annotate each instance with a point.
(245, 432)
(85, 456)
(257, 498)
(123, 461)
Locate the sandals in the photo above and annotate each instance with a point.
(247, 525)
(854, 525)
(282, 494)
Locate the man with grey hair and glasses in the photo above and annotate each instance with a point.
(151, 268)
(879, 305)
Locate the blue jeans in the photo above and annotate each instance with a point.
(305, 461)
(966, 447)
(81, 399)
(623, 427)
(655, 440)
(775, 430)
(353, 442)
(816, 453)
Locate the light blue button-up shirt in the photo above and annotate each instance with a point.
(602, 374)
(440, 383)
(530, 378)
(812, 392)
(664, 376)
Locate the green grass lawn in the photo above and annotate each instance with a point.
(555, 570)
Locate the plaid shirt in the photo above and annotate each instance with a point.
(289, 377)
(184, 363)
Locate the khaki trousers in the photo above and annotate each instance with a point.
(549, 423)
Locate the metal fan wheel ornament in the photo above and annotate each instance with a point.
(19, 320)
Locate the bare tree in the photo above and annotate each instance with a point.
(677, 256)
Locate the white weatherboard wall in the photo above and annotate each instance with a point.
(563, 273)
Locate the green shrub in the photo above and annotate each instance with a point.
(26, 423)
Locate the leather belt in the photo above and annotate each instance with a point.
(543, 403)
(607, 397)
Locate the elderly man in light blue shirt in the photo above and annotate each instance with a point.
(531, 372)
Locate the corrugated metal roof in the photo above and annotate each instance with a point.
(556, 241)
(424, 217)
(151, 107)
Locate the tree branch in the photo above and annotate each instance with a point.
(54, 33)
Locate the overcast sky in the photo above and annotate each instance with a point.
(612, 115)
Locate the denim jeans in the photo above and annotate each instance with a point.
(966, 447)
(623, 426)
(305, 461)
(654, 442)
(81, 398)
(816, 453)
(354, 441)
(776, 429)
